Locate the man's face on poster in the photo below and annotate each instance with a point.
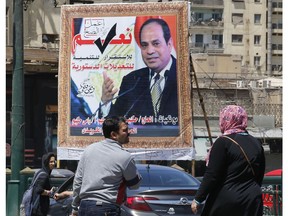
(154, 49)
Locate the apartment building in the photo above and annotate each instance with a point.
(236, 48)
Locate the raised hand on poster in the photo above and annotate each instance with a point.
(108, 90)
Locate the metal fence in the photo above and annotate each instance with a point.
(272, 195)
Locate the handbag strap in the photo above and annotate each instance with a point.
(245, 155)
(36, 177)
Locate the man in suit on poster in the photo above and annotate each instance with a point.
(149, 91)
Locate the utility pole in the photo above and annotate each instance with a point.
(17, 116)
(194, 77)
(201, 101)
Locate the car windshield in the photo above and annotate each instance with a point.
(164, 178)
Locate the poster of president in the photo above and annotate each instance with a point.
(128, 60)
(113, 64)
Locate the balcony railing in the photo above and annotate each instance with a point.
(272, 195)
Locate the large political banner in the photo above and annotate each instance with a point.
(109, 57)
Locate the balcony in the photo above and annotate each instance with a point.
(207, 24)
(35, 60)
(213, 47)
(217, 4)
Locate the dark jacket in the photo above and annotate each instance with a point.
(229, 183)
(43, 183)
(136, 99)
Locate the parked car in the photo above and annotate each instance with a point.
(272, 195)
(62, 207)
(57, 177)
(163, 191)
(277, 172)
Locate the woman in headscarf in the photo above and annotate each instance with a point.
(42, 185)
(232, 181)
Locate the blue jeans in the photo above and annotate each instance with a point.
(90, 208)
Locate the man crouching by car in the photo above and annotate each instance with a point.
(104, 171)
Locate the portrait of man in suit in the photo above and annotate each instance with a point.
(148, 91)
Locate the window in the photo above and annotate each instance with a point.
(218, 38)
(257, 1)
(237, 18)
(274, 25)
(198, 40)
(274, 46)
(257, 18)
(257, 39)
(274, 68)
(217, 16)
(49, 38)
(199, 16)
(237, 38)
(257, 60)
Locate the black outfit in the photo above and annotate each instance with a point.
(229, 182)
(43, 183)
(137, 99)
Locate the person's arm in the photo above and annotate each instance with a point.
(213, 174)
(132, 176)
(62, 195)
(40, 183)
(215, 170)
(261, 169)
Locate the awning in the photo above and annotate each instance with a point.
(35, 60)
(258, 132)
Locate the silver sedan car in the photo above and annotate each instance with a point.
(163, 191)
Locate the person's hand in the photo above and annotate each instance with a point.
(108, 89)
(194, 206)
(62, 195)
(57, 196)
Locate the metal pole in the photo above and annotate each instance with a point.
(192, 113)
(17, 117)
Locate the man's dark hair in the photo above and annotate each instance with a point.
(112, 124)
(162, 23)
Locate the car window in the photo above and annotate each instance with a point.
(67, 185)
(166, 178)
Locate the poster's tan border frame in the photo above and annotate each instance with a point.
(180, 10)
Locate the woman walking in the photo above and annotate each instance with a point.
(232, 181)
